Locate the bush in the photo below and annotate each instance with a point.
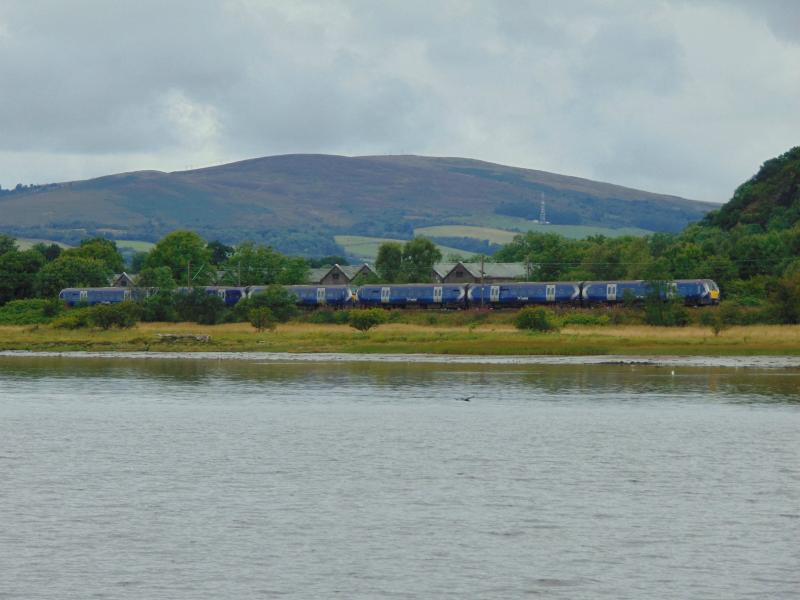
(365, 319)
(536, 318)
(200, 307)
(278, 299)
(77, 318)
(261, 318)
(106, 316)
(714, 320)
(159, 307)
(30, 312)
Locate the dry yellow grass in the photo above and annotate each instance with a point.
(487, 339)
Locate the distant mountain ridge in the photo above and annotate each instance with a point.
(298, 202)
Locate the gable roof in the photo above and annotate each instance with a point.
(494, 270)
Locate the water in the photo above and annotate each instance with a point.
(206, 478)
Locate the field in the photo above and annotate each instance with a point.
(490, 338)
(366, 248)
(495, 236)
(136, 245)
(577, 232)
(27, 243)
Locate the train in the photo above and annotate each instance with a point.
(693, 292)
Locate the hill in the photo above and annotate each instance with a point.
(770, 199)
(300, 202)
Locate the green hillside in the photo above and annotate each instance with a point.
(366, 248)
(770, 199)
(298, 203)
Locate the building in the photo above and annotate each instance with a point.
(122, 280)
(339, 274)
(462, 272)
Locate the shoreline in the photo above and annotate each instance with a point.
(612, 342)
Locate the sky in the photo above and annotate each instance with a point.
(684, 97)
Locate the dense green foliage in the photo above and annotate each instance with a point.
(29, 312)
(366, 319)
(122, 316)
(536, 318)
(185, 254)
(276, 298)
(407, 263)
(261, 318)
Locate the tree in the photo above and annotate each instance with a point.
(7, 243)
(18, 274)
(785, 299)
(156, 277)
(254, 264)
(419, 256)
(294, 271)
(536, 318)
(50, 253)
(100, 249)
(219, 252)
(72, 271)
(389, 261)
(185, 254)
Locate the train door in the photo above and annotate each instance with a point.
(672, 290)
(385, 291)
(550, 293)
(494, 293)
(84, 295)
(611, 292)
(320, 295)
(437, 294)
(126, 295)
(221, 294)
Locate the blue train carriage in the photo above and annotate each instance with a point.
(693, 291)
(100, 295)
(698, 292)
(602, 292)
(313, 296)
(229, 295)
(524, 293)
(421, 295)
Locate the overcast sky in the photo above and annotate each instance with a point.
(684, 97)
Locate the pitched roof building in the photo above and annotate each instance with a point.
(339, 274)
(462, 272)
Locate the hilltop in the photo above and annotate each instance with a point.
(770, 199)
(300, 202)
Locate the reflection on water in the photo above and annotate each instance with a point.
(125, 477)
(687, 383)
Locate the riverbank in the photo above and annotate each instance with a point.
(398, 338)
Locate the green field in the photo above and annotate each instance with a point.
(137, 245)
(495, 236)
(366, 248)
(514, 225)
(27, 243)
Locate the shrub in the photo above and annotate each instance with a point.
(278, 299)
(536, 318)
(261, 318)
(106, 316)
(77, 318)
(159, 307)
(200, 307)
(365, 319)
(29, 312)
(714, 320)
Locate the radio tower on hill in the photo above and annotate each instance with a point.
(542, 215)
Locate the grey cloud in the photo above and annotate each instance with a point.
(646, 94)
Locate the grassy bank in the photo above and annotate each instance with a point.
(486, 339)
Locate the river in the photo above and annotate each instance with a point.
(281, 477)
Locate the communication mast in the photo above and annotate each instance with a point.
(542, 215)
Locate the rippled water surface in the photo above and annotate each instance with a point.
(170, 478)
